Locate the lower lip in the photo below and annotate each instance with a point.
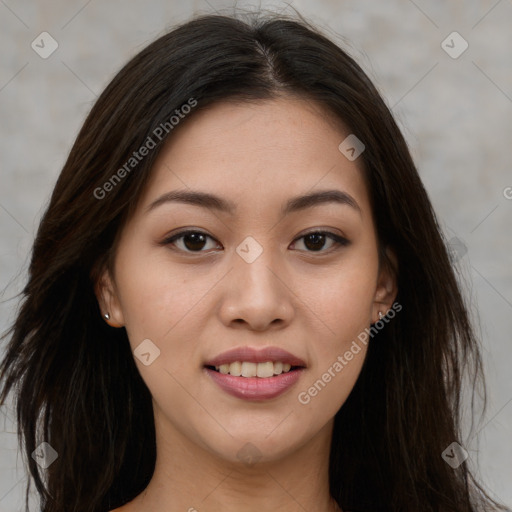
(255, 388)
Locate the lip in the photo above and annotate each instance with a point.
(255, 388)
(252, 355)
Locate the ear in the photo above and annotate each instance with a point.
(387, 289)
(108, 300)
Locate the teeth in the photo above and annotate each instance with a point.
(235, 368)
(249, 369)
(246, 369)
(265, 369)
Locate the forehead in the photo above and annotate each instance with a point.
(260, 151)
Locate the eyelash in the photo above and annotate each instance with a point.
(338, 240)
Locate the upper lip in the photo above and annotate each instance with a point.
(253, 355)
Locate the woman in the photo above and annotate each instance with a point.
(239, 297)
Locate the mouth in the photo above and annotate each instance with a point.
(256, 375)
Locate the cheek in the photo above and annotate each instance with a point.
(166, 304)
(347, 297)
(343, 298)
(344, 305)
(338, 356)
(158, 298)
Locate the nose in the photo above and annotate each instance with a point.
(257, 295)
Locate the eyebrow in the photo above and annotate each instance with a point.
(211, 201)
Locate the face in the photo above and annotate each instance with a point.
(250, 274)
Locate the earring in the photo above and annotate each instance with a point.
(381, 316)
(107, 316)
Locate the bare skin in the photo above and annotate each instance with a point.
(309, 298)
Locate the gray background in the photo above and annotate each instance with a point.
(455, 113)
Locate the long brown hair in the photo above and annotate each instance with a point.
(76, 384)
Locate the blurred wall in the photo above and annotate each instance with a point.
(451, 94)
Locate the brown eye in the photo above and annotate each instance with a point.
(189, 241)
(316, 240)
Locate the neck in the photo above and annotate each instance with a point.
(190, 478)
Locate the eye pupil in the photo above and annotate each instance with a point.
(318, 240)
(194, 238)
